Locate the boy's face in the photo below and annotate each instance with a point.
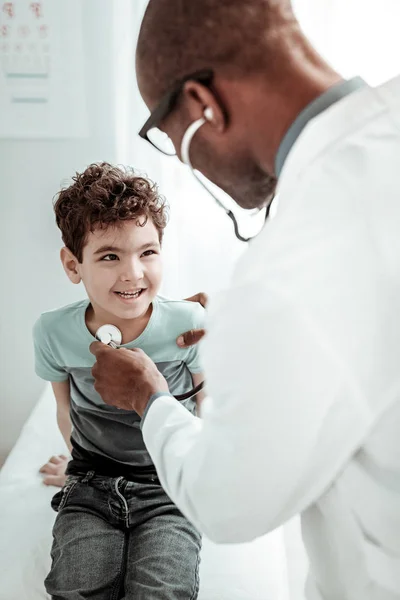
(121, 269)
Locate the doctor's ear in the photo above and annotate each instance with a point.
(70, 264)
(201, 102)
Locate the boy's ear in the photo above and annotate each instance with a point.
(70, 264)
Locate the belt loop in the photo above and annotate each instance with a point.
(89, 475)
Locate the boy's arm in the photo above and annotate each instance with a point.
(48, 368)
(61, 391)
(54, 469)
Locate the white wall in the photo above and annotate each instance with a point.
(32, 279)
(355, 37)
(358, 37)
(30, 175)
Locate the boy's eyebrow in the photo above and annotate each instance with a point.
(107, 249)
(103, 249)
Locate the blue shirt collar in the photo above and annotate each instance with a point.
(316, 107)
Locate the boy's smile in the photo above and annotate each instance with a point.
(130, 295)
(121, 270)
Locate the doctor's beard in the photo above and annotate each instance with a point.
(237, 175)
(255, 190)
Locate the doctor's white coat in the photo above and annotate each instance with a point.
(302, 361)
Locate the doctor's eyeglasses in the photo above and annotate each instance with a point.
(151, 131)
(162, 142)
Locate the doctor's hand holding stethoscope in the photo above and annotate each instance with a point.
(128, 378)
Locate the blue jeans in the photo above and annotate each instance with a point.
(116, 539)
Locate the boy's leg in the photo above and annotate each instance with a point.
(163, 552)
(88, 552)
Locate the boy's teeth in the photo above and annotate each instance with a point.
(129, 295)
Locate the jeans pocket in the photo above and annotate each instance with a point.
(60, 499)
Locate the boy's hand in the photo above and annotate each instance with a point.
(54, 470)
(126, 378)
(192, 337)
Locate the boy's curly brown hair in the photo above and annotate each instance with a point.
(105, 195)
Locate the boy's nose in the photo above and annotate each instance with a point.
(133, 271)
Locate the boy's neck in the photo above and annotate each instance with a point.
(130, 328)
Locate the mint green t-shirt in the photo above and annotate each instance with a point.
(104, 438)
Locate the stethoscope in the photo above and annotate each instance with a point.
(112, 336)
(185, 155)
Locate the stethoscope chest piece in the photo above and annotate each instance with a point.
(110, 335)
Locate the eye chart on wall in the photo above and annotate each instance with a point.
(42, 87)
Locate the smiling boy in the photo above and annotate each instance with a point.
(116, 531)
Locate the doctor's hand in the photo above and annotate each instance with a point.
(126, 378)
(192, 337)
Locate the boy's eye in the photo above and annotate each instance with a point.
(110, 257)
(148, 253)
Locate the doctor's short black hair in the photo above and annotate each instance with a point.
(235, 37)
(105, 195)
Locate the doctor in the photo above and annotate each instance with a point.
(302, 352)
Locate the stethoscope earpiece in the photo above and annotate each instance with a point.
(208, 113)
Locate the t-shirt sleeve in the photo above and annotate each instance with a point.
(46, 366)
(193, 359)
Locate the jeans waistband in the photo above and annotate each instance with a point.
(96, 477)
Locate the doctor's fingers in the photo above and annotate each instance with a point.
(117, 363)
(201, 298)
(100, 349)
(190, 338)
